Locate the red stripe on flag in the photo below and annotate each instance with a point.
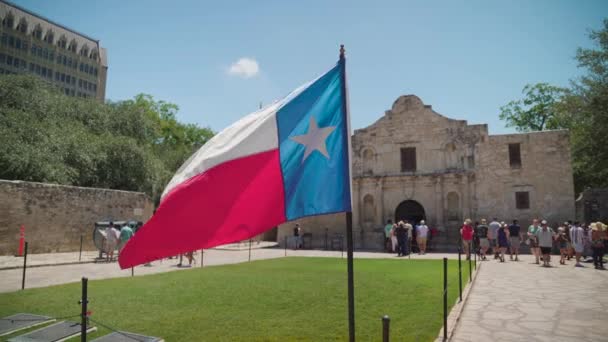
(230, 202)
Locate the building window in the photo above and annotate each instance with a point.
(408, 159)
(22, 26)
(9, 21)
(4, 39)
(50, 37)
(522, 200)
(11, 41)
(37, 33)
(515, 155)
(62, 43)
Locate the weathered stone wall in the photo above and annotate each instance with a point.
(55, 216)
(461, 172)
(545, 173)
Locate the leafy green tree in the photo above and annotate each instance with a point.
(46, 136)
(588, 105)
(536, 111)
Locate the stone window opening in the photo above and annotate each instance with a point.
(50, 37)
(22, 26)
(9, 21)
(37, 33)
(515, 155)
(369, 211)
(522, 200)
(62, 43)
(408, 159)
(73, 46)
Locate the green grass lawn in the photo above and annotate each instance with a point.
(289, 299)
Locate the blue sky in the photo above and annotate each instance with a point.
(465, 58)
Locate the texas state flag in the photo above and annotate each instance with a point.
(283, 162)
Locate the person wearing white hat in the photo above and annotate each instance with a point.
(422, 232)
(545, 242)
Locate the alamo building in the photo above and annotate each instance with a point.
(414, 163)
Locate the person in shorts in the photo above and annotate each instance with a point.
(514, 240)
(493, 235)
(577, 234)
(484, 243)
(387, 236)
(112, 236)
(422, 232)
(533, 239)
(466, 234)
(545, 242)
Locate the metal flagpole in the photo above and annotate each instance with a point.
(349, 214)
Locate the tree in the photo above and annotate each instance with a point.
(588, 104)
(134, 145)
(537, 110)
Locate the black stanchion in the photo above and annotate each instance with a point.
(445, 299)
(460, 273)
(24, 267)
(386, 322)
(475, 262)
(326, 236)
(83, 302)
(80, 253)
(132, 272)
(470, 269)
(249, 250)
(286, 245)
(342, 249)
(202, 256)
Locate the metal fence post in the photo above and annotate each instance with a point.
(24, 267)
(326, 235)
(80, 253)
(202, 255)
(249, 250)
(475, 262)
(285, 245)
(470, 269)
(386, 321)
(83, 319)
(460, 273)
(132, 271)
(445, 299)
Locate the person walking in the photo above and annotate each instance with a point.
(401, 238)
(408, 242)
(394, 242)
(297, 236)
(494, 227)
(562, 243)
(484, 243)
(533, 239)
(112, 236)
(597, 244)
(545, 242)
(387, 236)
(514, 240)
(503, 241)
(422, 232)
(466, 234)
(126, 232)
(578, 243)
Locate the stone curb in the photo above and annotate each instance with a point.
(454, 315)
(46, 265)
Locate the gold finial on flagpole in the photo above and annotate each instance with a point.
(342, 51)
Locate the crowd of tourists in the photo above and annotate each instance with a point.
(403, 238)
(572, 239)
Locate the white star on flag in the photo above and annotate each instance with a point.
(314, 139)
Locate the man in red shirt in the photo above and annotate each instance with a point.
(466, 232)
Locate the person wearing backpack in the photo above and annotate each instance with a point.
(598, 235)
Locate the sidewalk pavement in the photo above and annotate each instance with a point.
(61, 273)
(521, 301)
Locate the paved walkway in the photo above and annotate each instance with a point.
(10, 279)
(521, 301)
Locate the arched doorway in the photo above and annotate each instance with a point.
(411, 211)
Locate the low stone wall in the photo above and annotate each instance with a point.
(55, 216)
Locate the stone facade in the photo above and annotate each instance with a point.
(55, 216)
(458, 171)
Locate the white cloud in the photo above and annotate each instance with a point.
(244, 67)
